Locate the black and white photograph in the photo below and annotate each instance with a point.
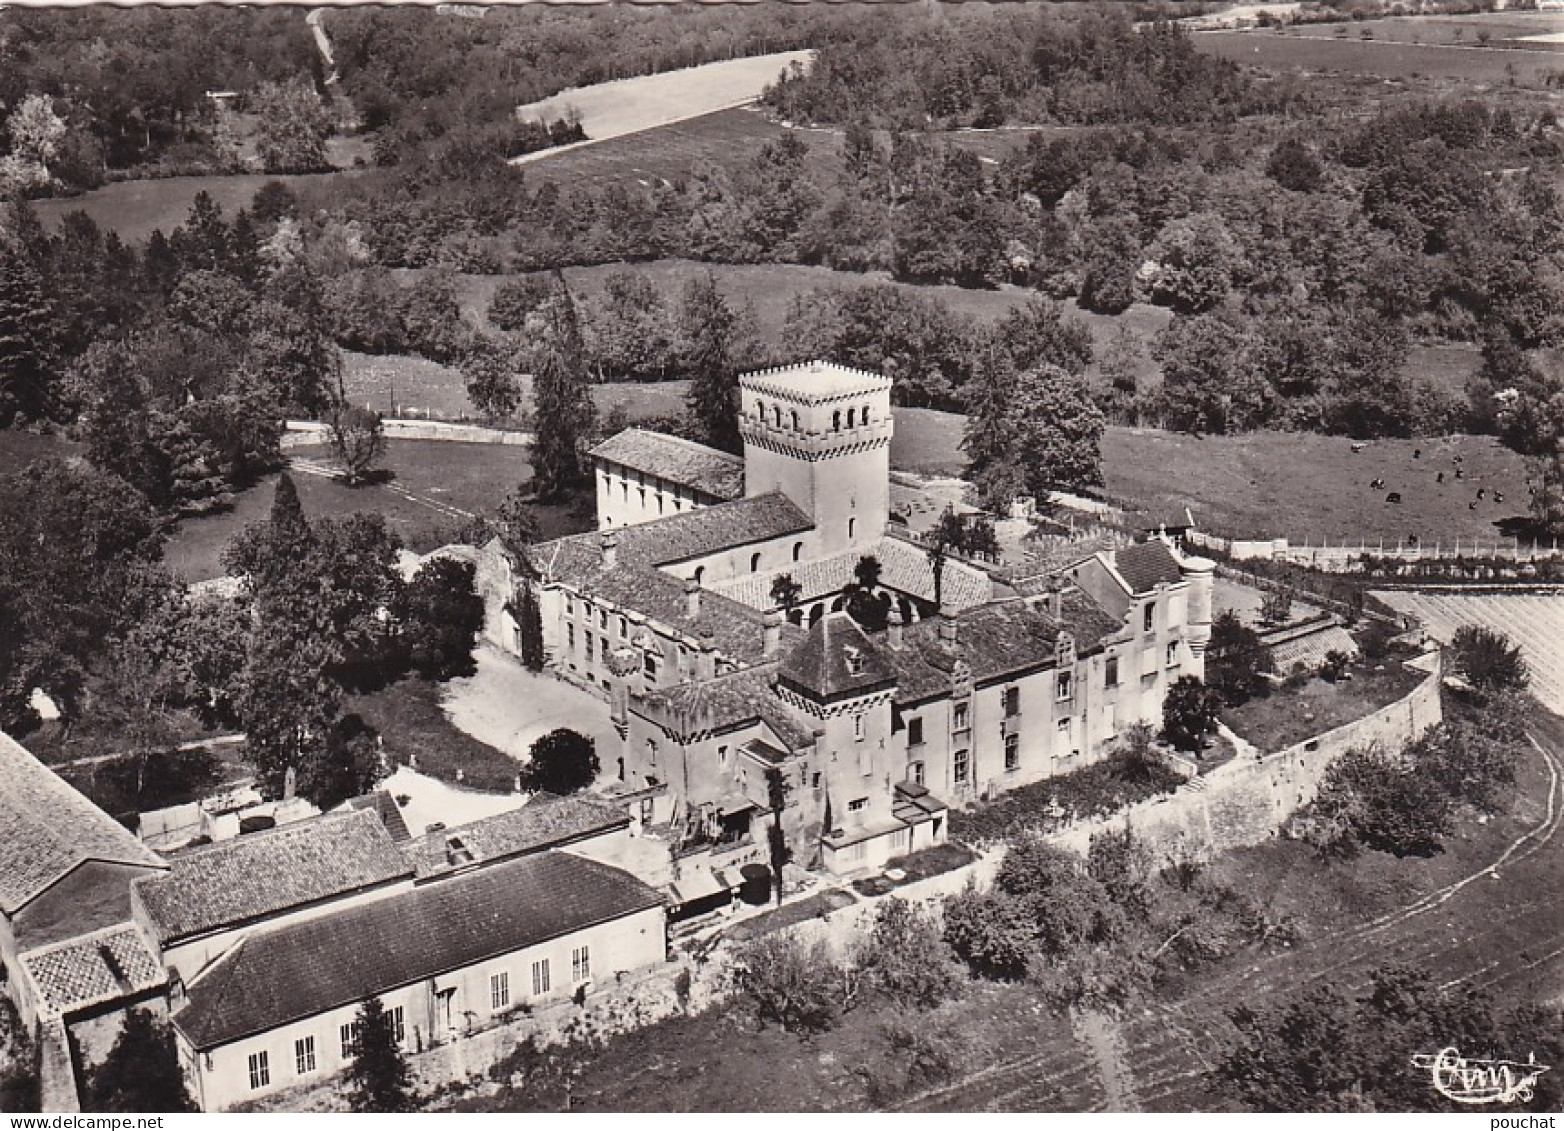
(767, 557)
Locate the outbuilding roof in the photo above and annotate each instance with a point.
(707, 470)
(1146, 565)
(542, 823)
(268, 873)
(297, 971)
(47, 830)
(90, 970)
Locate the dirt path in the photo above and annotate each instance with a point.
(1103, 1038)
(323, 43)
(1495, 926)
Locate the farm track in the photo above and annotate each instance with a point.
(1171, 1048)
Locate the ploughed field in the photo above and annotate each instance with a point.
(1535, 621)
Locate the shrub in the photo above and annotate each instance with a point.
(562, 761)
(1189, 713)
(1487, 660)
(906, 957)
(798, 985)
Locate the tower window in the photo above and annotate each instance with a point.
(836, 421)
(779, 416)
(1149, 617)
(760, 407)
(754, 563)
(858, 727)
(852, 418)
(795, 420)
(798, 550)
(866, 414)
(852, 528)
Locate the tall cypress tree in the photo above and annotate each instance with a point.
(707, 325)
(565, 412)
(27, 344)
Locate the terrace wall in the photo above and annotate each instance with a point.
(1247, 800)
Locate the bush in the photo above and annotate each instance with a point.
(795, 984)
(1374, 800)
(1487, 660)
(906, 958)
(1189, 713)
(562, 762)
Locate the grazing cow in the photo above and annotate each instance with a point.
(1376, 485)
(1411, 539)
(1417, 453)
(1498, 496)
(1457, 459)
(1459, 474)
(1481, 491)
(1440, 478)
(1393, 497)
(1358, 447)
(1471, 506)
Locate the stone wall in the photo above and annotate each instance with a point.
(302, 433)
(1247, 800)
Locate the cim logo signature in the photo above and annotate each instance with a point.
(1480, 1081)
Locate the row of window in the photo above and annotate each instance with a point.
(648, 660)
(304, 1058)
(499, 983)
(855, 416)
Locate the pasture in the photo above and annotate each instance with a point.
(1319, 49)
(433, 485)
(628, 106)
(18, 449)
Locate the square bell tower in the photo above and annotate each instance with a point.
(821, 434)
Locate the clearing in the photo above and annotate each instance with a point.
(505, 706)
(1290, 715)
(627, 106)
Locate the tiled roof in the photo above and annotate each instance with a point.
(731, 701)
(386, 807)
(105, 966)
(814, 381)
(267, 873)
(636, 583)
(836, 659)
(306, 968)
(1310, 649)
(997, 640)
(677, 460)
(1145, 565)
(47, 829)
(904, 567)
(541, 823)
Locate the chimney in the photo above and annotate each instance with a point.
(773, 633)
(1056, 602)
(692, 598)
(610, 549)
(706, 656)
(947, 626)
(893, 628)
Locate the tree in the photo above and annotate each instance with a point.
(378, 1078)
(562, 761)
(439, 618)
(785, 592)
(349, 764)
(776, 837)
(28, 366)
(1237, 661)
(1120, 367)
(292, 125)
(489, 371)
(1109, 257)
(906, 958)
(1189, 713)
(628, 330)
(564, 407)
(1032, 433)
(1487, 660)
(1374, 799)
(1194, 257)
(1547, 496)
(706, 344)
(359, 439)
(141, 1072)
(518, 299)
(1294, 166)
(1211, 381)
(796, 984)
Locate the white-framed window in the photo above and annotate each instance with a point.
(858, 805)
(540, 976)
(915, 732)
(349, 1034)
(570, 637)
(304, 1056)
(1012, 752)
(260, 1070)
(858, 726)
(959, 766)
(651, 752)
(1149, 616)
(499, 990)
(1172, 653)
(581, 964)
(960, 717)
(1064, 686)
(915, 773)
(1012, 702)
(649, 665)
(856, 853)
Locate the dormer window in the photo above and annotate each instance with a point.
(854, 661)
(1149, 617)
(457, 852)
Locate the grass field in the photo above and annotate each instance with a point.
(627, 106)
(1528, 64)
(135, 209)
(1291, 715)
(429, 478)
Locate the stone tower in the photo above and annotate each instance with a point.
(821, 434)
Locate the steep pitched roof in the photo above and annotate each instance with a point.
(267, 873)
(837, 659)
(1145, 565)
(814, 381)
(47, 829)
(89, 970)
(677, 460)
(730, 701)
(904, 567)
(541, 823)
(300, 970)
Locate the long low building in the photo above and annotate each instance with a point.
(446, 959)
